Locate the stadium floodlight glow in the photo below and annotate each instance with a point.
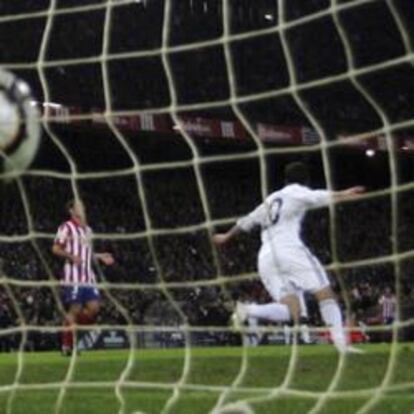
(370, 152)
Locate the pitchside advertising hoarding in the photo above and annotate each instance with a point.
(213, 128)
(112, 339)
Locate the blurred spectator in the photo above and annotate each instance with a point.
(388, 304)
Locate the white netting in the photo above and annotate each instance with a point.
(126, 87)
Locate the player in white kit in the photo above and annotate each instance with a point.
(285, 264)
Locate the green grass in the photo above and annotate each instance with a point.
(150, 383)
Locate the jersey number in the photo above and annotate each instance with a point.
(275, 209)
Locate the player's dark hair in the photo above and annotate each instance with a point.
(296, 172)
(69, 205)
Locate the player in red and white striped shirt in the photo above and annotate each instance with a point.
(388, 303)
(73, 243)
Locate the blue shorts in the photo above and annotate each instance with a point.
(79, 294)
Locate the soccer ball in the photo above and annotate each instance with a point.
(19, 124)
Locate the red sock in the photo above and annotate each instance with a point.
(67, 336)
(84, 319)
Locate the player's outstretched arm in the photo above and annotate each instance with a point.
(244, 224)
(348, 193)
(219, 239)
(105, 258)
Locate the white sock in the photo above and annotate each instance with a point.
(287, 331)
(303, 308)
(275, 312)
(251, 336)
(305, 334)
(331, 315)
(252, 322)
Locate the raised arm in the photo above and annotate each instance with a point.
(348, 193)
(244, 224)
(220, 239)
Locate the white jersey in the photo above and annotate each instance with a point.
(280, 215)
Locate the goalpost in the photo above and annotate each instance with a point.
(81, 88)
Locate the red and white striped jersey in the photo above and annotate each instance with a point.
(76, 240)
(388, 304)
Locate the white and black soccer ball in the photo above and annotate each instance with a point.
(20, 129)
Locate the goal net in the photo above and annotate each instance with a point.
(171, 119)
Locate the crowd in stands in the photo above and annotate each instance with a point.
(201, 75)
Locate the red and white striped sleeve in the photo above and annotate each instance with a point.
(62, 235)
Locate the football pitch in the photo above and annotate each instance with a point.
(192, 382)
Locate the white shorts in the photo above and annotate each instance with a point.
(287, 270)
